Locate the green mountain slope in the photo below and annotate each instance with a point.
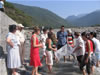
(42, 16)
(18, 15)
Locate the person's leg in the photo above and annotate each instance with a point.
(23, 52)
(42, 58)
(92, 69)
(64, 58)
(33, 71)
(88, 67)
(82, 64)
(97, 64)
(14, 71)
(50, 68)
(37, 73)
(84, 72)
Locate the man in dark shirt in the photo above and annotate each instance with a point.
(62, 38)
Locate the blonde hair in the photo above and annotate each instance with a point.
(36, 29)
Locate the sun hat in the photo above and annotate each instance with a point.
(20, 25)
(69, 30)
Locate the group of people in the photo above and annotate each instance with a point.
(85, 45)
(15, 47)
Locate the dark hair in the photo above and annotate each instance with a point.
(84, 34)
(44, 30)
(62, 26)
(94, 34)
(77, 34)
(36, 29)
(51, 28)
(50, 35)
(12, 28)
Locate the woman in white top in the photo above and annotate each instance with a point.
(97, 47)
(43, 38)
(13, 56)
(1, 5)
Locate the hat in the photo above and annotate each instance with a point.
(69, 30)
(20, 25)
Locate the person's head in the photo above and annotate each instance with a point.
(37, 30)
(76, 34)
(92, 34)
(50, 29)
(45, 31)
(62, 28)
(20, 27)
(84, 36)
(12, 28)
(69, 31)
(50, 35)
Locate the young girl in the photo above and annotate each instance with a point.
(49, 50)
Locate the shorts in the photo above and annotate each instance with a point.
(93, 60)
(79, 58)
(49, 57)
(88, 65)
(97, 56)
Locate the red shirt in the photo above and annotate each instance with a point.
(87, 46)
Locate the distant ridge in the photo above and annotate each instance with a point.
(90, 19)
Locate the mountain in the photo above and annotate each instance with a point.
(18, 15)
(42, 16)
(85, 20)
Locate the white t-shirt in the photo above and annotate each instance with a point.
(20, 36)
(43, 39)
(97, 44)
(1, 4)
(79, 42)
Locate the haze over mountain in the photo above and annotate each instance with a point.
(90, 19)
(42, 16)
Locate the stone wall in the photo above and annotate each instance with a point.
(5, 21)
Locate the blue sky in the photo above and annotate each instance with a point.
(64, 8)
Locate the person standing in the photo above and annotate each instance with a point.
(62, 39)
(54, 40)
(70, 40)
(49, 49)
(34, 51)
(43, 38)
(21, 37)
(97, 47)
(88, 53)
(13, 56)
(79, 47)
(2, 5)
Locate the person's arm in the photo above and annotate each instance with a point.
(49, 45)
(34, 43)
(8, 40)
(57, 35)
(78, 47)
(89, 52)
(89, 49)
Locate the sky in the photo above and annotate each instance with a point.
(63, 8)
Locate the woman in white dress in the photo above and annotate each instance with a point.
(13, 57)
